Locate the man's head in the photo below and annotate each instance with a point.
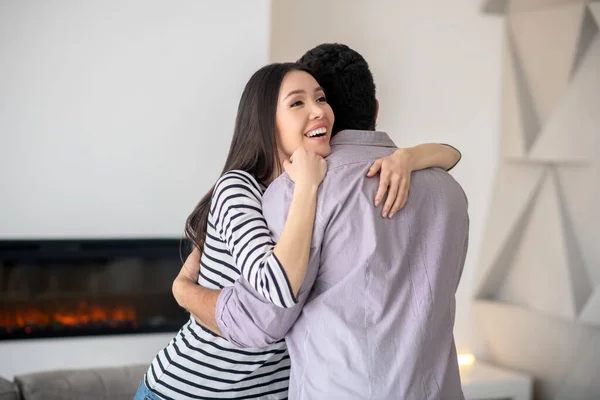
(348, 84)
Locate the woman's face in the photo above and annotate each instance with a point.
(304, 118)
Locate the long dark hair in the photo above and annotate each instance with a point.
(253, 146)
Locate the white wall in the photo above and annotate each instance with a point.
(436, 65)
(115, 117)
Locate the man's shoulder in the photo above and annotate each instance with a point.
(283, 183)
(437, 180)
(433, 174)
(343, 155)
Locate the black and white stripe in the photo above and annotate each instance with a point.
(236, 215)
(197, 364)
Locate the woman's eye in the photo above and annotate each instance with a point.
(296, 104)
(322, 99)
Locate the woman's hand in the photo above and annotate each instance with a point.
(305, 168)
(394, 178)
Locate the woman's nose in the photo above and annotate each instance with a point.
(317, 111)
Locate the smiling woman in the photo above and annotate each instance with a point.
(228, 226)
(261, 149)
(304, 118)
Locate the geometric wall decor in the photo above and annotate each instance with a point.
(589, 29)
(580, 191)
(556, 352)
(595, 10)
(537, 289)
(519, 6)
(516, 187)
(544, 274)
(545, 43)
(513, 132)
(527, 114)
(570, 132)
(591, 312)
(581, 382)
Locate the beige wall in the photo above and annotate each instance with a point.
(437, 66)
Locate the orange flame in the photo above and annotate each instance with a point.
(80, 315)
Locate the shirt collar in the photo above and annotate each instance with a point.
(362, 138)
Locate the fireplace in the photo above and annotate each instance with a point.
(57, 288)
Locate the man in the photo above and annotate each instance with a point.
(375, 314)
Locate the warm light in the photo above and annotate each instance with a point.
(74, 316)
(466, 359)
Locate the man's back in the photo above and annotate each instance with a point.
(378, 322)
(375, 313)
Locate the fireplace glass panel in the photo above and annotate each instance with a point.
(55, 288)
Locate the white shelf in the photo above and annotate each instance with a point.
(481, 381)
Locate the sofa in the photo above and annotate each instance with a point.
(480, 381)
(115, 383)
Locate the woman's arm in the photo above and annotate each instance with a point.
(395, 171)
(429, 155)
(276, 272)
(293, 247)
(307, 170)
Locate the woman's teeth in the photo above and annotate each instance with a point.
(317, 132)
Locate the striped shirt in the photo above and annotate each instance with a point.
(198, 364)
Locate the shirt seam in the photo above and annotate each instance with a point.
(287, 280)
(367, 332)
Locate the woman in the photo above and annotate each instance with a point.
(272, 125)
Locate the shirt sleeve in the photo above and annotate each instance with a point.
(236, 213)
(246, 320)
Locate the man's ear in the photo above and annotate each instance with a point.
(376, 111)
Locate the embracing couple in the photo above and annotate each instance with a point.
(314, 278)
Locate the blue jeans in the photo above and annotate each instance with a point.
(143, 393)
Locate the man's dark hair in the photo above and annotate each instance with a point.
(348, 84)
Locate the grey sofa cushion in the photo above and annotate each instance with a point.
(8, 391)
(94, 384)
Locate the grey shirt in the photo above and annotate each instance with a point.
(375, 314)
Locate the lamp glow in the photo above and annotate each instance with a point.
(465, 359)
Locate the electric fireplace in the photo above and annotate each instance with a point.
(54, 288)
